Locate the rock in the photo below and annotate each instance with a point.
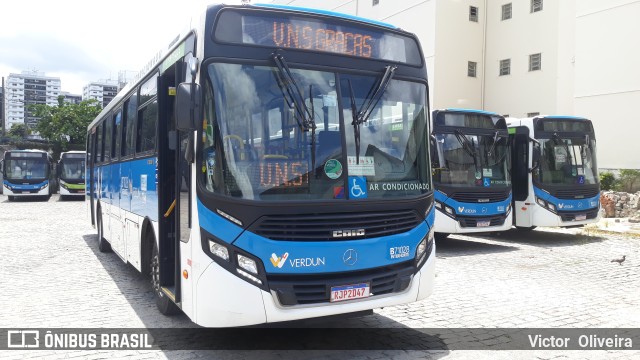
(608, 205)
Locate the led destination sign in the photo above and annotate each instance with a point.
(310, 33)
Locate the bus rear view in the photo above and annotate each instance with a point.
(555, 172)
(470, 161)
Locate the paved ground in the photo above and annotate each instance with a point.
(53, 276)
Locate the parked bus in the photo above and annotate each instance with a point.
(271, 165)
(28, 173)
(555, 172)
(470, 160)
(71, 168)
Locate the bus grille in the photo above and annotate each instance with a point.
(577, 193)
(482, 197)
(316, 288)
(312, 227)
(571, 216)
(471, 222)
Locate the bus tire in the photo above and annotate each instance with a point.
(441, 236)
(525, 228)
(103, 244)
(164, 304)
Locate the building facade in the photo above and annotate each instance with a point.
(103, 91)
(527, 57)
(25, 89)
(71, 98)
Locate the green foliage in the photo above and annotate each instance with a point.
(65, 124)
(19, 131)
(629, 180)
(607, 181)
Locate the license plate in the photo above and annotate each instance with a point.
(483, 223)
(349, 292)
(581, 217)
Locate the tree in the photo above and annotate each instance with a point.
(65, 123)
(19, 131)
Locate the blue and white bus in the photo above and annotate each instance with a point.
(70, 169)
(271, 165)
(555, 172)
(471, 172)
(28, 173)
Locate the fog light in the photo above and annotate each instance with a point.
(249, 276)
(219, 250)
(247, 264)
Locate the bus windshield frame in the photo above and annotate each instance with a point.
(471, 151)
(26, 168)
(259, 150)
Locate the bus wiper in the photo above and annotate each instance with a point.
(496, 137)
(293, 94)
(370, 102)
(466, 146)
(295, 99)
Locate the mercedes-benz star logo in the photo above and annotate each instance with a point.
(350, 257)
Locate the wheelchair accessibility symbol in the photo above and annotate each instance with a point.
(357, 187)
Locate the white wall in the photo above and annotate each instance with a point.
(526, 33)
(607, 77)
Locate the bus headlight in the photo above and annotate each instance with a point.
(8, 186)
(448, 209)
(63, 183)
(247, 264)
(551, 207)
(423, 246)
(541, 202)
(218, 250)
(44, 186)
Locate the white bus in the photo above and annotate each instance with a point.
(554, 172)
(212, 171)
(71, 168)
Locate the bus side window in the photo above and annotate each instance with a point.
(117, 135)
(107, 138)
(99, 145)
(147, 119)
(131, 112)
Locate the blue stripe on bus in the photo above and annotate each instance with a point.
(215, 224)
(327, 12)
(121, 186)
(473, 111)
(568, 205)
(23, 187)
(313, 257)
(474, 209)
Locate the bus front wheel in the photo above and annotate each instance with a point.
(164, 304)
(103, 244)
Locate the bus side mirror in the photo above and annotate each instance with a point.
(188, 106)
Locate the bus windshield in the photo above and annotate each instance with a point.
(26, 169)
(464, 160)
(566, 161)
(258, 144)
(72, 169)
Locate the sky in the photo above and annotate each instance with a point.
(82, 41)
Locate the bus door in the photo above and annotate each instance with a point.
(168, 178)
(521, 175)
(117, 214)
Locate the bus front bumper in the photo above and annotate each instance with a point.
(448, 225)
(40, 192)
(223, 300)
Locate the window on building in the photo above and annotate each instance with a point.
(533, 114)
(473, 13)
(506, 11)
(376, 2)
(536, 5)
(471, 68)
(535, 62)
(505, 67)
